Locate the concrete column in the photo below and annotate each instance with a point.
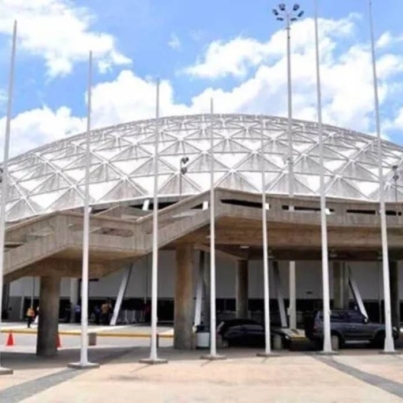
(394, 293)
(241, 289)
(74, 296)
(183, 313)
(341, 291)
(48, 326)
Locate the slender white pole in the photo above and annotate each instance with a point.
(292, 273)
(5, 166)
(266, 277)
(327, 344)
(85, 275)
(154, 275)
(389, 345)
(213, 344)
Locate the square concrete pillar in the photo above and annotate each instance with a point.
(183, 312)
(241, 291)
(341, 290)
(48, 323)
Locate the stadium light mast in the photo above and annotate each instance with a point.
(288, 16)
(327, 343)
(389, 344)
(153, 359)
(4, 179)
(84, 363)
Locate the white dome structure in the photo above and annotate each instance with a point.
(51, 178)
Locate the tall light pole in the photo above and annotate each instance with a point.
(327, 343)
(84, 363)
(154, 273)
(389, 345)
(182, 171)
(283, 14)
(6, 371)
(266, 285)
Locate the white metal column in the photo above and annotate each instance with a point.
(279, 292)
(356, 293)
(199, 289)
(121, 293)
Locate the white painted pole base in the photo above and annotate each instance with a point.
(213, 357)
(83, 366)
(153, 361)
(6, 371)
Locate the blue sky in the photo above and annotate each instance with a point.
(232, 50)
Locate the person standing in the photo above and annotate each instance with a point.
(77, 311)
(30, 316)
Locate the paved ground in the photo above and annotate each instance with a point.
(355, 375)
(352, 376)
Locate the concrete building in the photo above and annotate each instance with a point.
(45, 199)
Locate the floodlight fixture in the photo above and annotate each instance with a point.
(281, 6)
(296, 7)
(275, 12)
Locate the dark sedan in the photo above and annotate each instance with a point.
(246, 333)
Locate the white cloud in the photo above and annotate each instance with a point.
(40, 126)
(346, 85)
(174, 42)
(237, 56)
(60, 32)
(387, 39)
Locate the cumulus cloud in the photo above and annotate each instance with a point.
(40, 126)
(60, 32)
(260, 68)
(235, 57)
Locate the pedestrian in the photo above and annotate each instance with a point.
(30, 316)
(97, 312)
(77, 312)
(104, 313)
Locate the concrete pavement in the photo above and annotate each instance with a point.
(353, 376)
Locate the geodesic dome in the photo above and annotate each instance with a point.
(51, 178)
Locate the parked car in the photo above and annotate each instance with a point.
(348, 327)
(247, 333)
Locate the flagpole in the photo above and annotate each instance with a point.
(154, 274)
(6, 371)
(213, 321)
(389, 344)
(84, 363)
(327, 344)
(266, 276)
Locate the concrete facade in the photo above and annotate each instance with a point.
(309, 280)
